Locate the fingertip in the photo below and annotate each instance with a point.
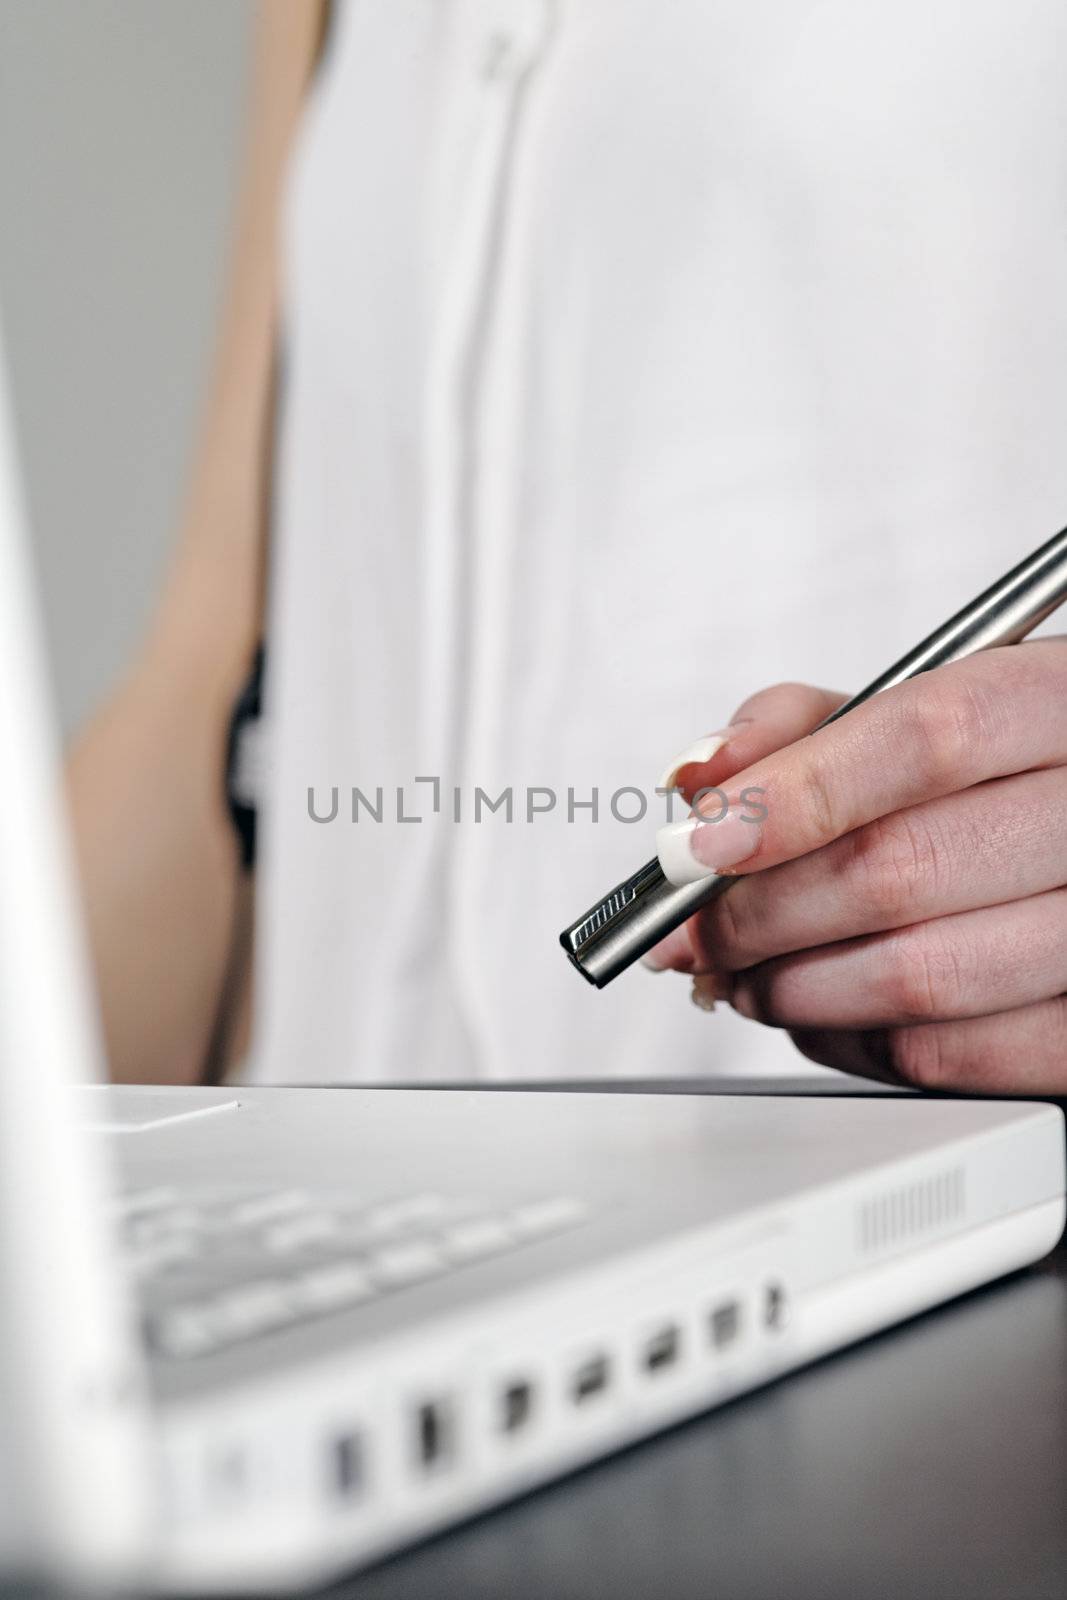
(702, 997)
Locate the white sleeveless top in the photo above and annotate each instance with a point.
(637, 355)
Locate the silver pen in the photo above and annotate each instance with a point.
(641, 911)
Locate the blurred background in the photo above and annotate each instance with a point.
(120, 127)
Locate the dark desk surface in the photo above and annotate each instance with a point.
(928, 1463)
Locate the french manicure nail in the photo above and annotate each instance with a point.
(698, 847)
(702, 995)
(697, 754)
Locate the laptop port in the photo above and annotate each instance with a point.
(346, 1465)
(590, 1379)
(435, 1434)
(775, 1307)
(516, 1406)
(724, 1324)
(663, 1349)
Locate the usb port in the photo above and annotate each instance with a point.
(663, 1349)
(590, 1379)
(346, 1463)
(775, 1307)
(435, 1434)
(516, 1406)
(724, 1324)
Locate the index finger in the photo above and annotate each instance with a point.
(997, 713)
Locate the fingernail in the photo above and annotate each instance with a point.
(704, 992)
(698, 847)
(709, 988)
(694, 754)
(716, 984)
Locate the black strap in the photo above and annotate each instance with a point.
(241, 806)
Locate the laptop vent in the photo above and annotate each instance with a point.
(900, 1214)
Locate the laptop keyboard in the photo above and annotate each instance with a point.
(217, 1268)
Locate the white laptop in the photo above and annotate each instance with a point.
(250, 1339)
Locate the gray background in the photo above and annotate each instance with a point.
(120, 129)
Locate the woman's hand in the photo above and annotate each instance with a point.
(902, 907)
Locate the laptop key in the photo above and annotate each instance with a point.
(310, 1228)
(253, 1309)
(184, 1331)
(482, 1236)
(542, 1217)
(401, 1216)
(329, 1288)
(399, 1264)
(155, 1256)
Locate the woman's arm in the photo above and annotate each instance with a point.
(155, 847)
